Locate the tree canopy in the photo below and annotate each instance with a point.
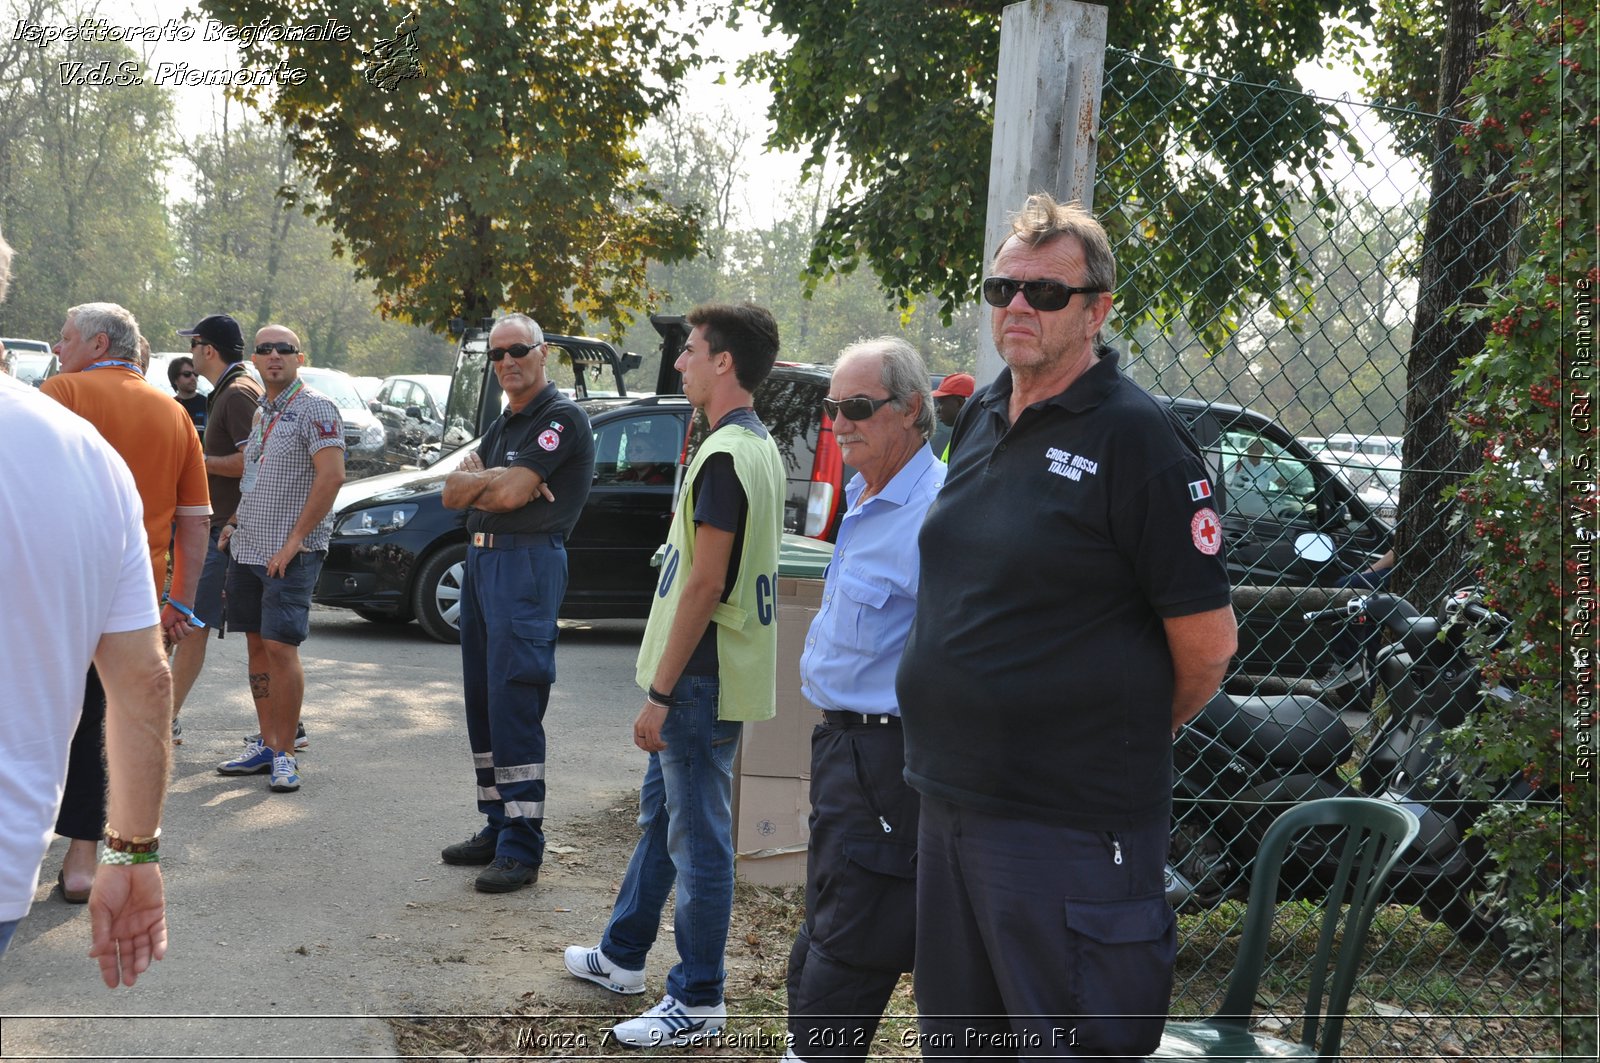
(904, 92)
(480, 155)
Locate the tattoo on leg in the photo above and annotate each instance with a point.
(258, 685)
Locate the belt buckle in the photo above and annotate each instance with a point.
(482, 539)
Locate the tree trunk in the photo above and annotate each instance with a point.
(1467, 234)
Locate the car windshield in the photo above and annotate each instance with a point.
(335, 386)
(438, 387)
(30, 368)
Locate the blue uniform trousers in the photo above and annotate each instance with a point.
(1039, 940)
(509, 601)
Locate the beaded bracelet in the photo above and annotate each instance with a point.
(117, 857)
(118, 843)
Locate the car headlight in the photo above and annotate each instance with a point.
(374, 521)
(372, 436)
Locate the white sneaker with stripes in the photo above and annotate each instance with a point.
(672, 1023)
(596, 966)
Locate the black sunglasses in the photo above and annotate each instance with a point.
(1041, 295)
(516, 350)
(185, 372)
(856, 408)
(280, 347)
(193, 343)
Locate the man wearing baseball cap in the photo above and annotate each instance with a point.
(948, 398)
(217, 346)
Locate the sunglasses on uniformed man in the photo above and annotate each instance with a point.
(855, 408)
(280, 347)
(516, 350)
(1041, 295)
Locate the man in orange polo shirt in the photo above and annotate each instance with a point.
(100, 381)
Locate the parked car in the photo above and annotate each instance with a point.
(367, 386)
(31, 367)
(411, 409)
(32, 349)
(1265, 529)
(363, 433)
(397, 553)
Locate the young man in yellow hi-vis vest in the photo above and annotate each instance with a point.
(708, 663)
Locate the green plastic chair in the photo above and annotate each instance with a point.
(1375, 833)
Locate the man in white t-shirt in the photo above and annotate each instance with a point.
(85, 593)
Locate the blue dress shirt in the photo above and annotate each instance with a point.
(870, 593)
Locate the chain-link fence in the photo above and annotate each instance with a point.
(1299, 401)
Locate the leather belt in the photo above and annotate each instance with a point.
(511, 541)
(860, 719)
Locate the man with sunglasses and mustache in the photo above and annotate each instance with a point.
(1073, 612)
(524, 488)
(293, 468)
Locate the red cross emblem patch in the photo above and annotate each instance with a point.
(549, 440)
(1206, 531)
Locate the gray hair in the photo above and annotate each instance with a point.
(529, 325)
(1042, 220)
(5, 268)
(122, 331)
(903, 374)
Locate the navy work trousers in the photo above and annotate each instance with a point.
(859, 933)
(1038, 940)
(509, 601)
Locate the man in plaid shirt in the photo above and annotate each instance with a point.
(293, 467)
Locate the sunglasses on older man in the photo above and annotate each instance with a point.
(280, 347)
(516, 350)
(855, 408)
(1041, 295)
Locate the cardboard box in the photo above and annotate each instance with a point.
(781, 747)
(771, 829)
(772, 799)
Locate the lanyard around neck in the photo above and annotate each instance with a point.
(288, 397)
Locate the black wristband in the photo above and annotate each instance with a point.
(664, 700)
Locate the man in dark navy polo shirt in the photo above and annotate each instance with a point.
(1073, 611)
(523, 488)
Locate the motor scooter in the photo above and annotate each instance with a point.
(1245, 760)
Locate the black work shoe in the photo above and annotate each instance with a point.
(476, 850)
(505, 875)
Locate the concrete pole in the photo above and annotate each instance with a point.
(1046, 120)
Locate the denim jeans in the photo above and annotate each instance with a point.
(6, 930)
(686, 814)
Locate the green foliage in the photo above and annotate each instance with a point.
(904, 92)
(504, 173)
(1339, 366)
(1528, 399)
(81, 172)
(1409, 35)
(765, 264)
(246, 251)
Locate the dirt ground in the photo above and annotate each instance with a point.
(557, 1016)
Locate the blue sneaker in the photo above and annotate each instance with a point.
(285, 774)
(255, 759)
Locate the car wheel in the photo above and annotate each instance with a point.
(436, 598)
(376, 617)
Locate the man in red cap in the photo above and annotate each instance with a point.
(948, 398)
